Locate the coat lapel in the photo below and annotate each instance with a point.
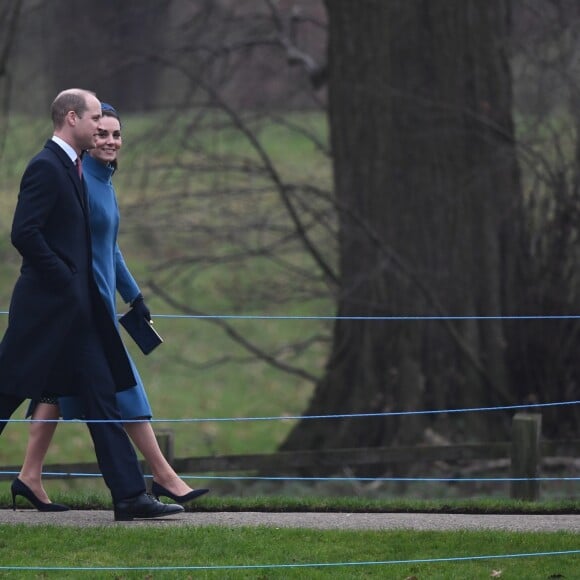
(71, 171)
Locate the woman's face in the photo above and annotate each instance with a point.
(109, 140)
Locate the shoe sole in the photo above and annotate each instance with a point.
(130, 518)
(181, 500)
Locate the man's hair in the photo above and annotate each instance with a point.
(69, 100)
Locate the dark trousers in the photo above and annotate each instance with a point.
(116, 457)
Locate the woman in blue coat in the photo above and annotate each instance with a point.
(111, 275)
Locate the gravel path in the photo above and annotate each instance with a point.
(324, 521)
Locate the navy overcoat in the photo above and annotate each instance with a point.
(55, 296)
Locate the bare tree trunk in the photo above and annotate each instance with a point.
(427, 185)
(108, 46)
(9, 16)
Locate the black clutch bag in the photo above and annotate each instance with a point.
(141, 331)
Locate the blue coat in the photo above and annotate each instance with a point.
(111, 275)
(56, 286)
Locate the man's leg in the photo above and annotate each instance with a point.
(115, 454)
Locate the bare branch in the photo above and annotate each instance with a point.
(9, 18)
(235, 336)
(286, 36)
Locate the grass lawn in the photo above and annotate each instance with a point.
(214, 552)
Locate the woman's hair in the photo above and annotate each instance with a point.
(110, 111)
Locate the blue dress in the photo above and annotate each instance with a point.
(111, 275)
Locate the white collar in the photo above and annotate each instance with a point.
(67, 148)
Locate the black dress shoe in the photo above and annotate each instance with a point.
(18, 487)
(143, 507)
(158, 490)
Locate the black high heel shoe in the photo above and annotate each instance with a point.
(20, 488)
(158, 490)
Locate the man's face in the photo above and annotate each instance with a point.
(86, 127)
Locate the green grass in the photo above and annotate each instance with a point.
(283, 553)
(284, 502)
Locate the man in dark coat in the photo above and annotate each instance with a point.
(60, 339)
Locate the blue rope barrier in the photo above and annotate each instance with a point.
(300, 417)
(328, 479)
(331, 317)
(395, 318)
(286, 566)
(389, 479)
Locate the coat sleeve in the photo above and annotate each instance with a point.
(38, 195)
(126, 284)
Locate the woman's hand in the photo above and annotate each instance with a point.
(140, 307)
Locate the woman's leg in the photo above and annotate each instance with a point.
(39, 438)
(144, 438)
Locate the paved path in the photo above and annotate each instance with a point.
(324, 521)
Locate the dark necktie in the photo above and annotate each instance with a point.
(79, 165)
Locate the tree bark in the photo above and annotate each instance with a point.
(110, 47)
(428, 191)
(9, 18)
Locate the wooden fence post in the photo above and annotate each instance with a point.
(166, 440)
(525, 455)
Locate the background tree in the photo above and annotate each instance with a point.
(9, 17)
(546, 66)
(108, 47)
(429, 198)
